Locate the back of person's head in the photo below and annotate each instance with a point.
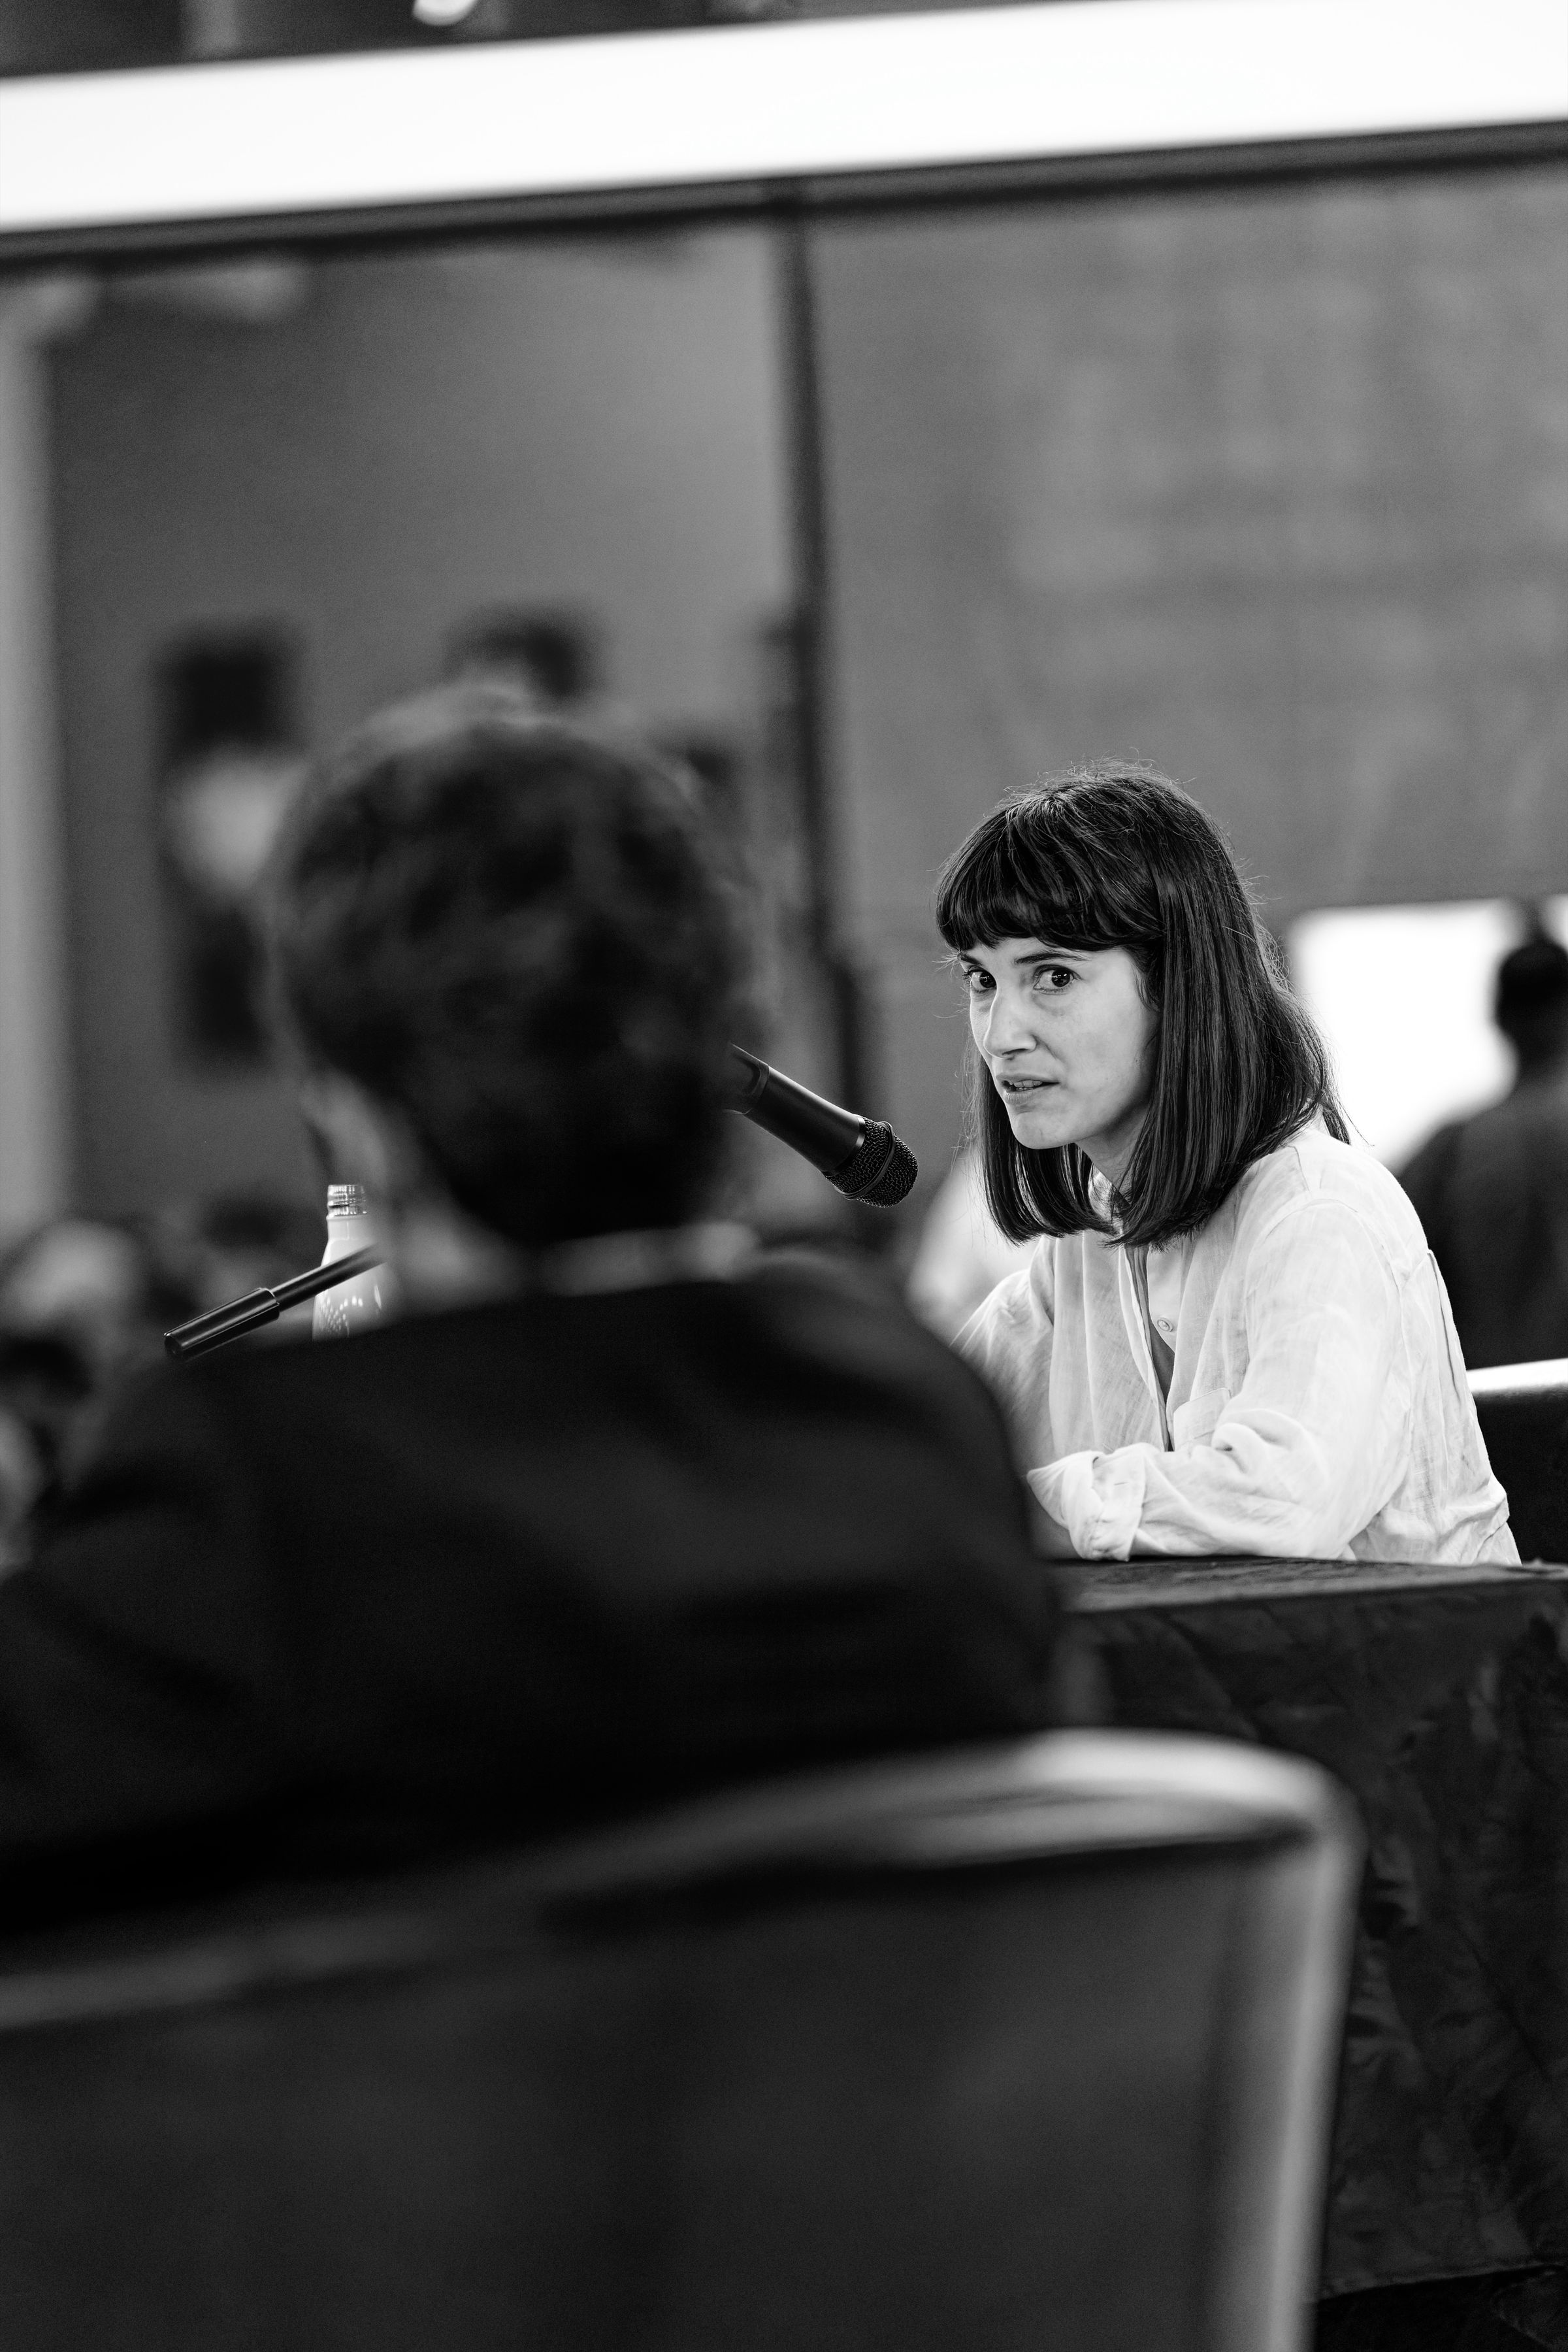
(1530, 1003)
(508, 931)
(1115, 854)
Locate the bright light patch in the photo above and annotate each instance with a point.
(738, 103)
(1403, 996)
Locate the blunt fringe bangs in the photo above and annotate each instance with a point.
(1118, 856)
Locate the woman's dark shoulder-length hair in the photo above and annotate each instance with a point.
(513, 931)
(1117, 856)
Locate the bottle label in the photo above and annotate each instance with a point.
(359, 1303)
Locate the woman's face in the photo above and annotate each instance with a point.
(1069, 1042)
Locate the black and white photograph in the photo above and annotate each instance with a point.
(783, 1175)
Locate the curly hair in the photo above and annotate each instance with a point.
(510, 929)
(1117, 856)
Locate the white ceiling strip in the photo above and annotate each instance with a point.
(738, 103)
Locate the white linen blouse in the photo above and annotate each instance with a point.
(1318, 1406)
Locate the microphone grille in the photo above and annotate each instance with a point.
(882, 1171)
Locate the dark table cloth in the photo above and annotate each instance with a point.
(1439, 1698)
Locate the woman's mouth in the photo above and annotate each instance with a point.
(1016, 1090)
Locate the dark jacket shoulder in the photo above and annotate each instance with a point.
(492, 1572)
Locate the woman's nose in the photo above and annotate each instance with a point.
(1008, 1029)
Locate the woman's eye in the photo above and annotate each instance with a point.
(975, 981)
(1057, 977)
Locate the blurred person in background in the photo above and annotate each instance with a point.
(83, 1305)
(83, 1308)
(1492, 1190)
(78, 1302)
(1229, 1337)
(85, 1284)
(45, 1391)
(617, 1510)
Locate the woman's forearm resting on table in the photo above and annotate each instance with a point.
(1248, 1491)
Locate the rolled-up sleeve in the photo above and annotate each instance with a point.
(1305, 1454)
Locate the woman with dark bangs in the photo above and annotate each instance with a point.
(1231, 1337)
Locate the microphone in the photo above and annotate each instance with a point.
(862, 1157)
(259, 1306)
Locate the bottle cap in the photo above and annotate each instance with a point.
(346, 1201)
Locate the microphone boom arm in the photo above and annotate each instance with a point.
(259, 1306)
(862, 1157)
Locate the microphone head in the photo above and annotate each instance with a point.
(882, 1171)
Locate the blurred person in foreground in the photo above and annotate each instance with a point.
(1229, 1337)
(1492, 1189)
(616, 1512)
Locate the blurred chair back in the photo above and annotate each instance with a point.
(1523, 1413)
(1028, 2047)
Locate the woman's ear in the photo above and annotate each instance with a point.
(364, 1141)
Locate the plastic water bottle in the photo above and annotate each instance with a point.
(360, 1303)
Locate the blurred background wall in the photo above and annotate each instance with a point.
(349, 457)
(34, 1054)
(1270, 488)
(1266, 484)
